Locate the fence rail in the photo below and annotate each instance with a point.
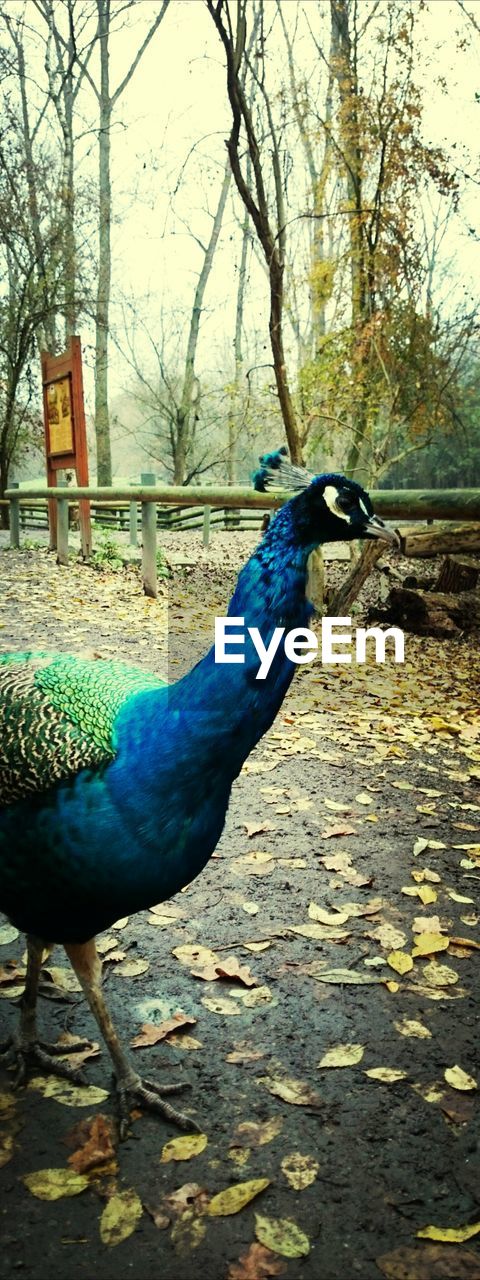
(400, 504)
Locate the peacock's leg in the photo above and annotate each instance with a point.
(25, 1049)
(129, 1086)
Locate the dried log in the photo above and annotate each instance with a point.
(440, 539)
(458, 574)
(349, 590)
(433, 613)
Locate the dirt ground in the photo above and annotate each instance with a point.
(366, 786)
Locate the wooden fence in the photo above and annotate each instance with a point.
(403, 504)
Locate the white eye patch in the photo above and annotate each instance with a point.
(330, 494)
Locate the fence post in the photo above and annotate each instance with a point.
(149, 540)
(62, 527)
(14, 519)
(133, 526)
(206, 525)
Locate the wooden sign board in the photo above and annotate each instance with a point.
(65, 430)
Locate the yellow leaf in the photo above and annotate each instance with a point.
(458, 897)
(430, 1092)
(388, 1075)
(364, 798)
(195, 954)
(235, 1198)
(132, 968)
(409, 1027)
(70, 1095)
(459, 1079)
(53, 1184)
(297, 1092)
(342, 1055)
(282, 1236)
(120, 1216)
(400, 961)
(326, 917)
(190, 1144)
(427, 894)
(452, 1235)
(318, 931)
(299, 1170)
(439, 975)
(258, 1134)
(427, 943)
(392, 986)
(222, 1005)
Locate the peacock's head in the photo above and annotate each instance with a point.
(331, 507)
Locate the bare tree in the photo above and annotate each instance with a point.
(107, 101)
(269, 219)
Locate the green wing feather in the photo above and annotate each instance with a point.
(56, 716)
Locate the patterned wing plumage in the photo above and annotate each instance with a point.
(56, 717)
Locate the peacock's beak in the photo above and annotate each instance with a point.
(375, 528)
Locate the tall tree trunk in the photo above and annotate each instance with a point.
(345, 70)
(183, 430)
(238, 357)
(272, 237)
(102, 419)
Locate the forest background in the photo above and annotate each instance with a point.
(261, 217)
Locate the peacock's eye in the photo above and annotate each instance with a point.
(346, 500)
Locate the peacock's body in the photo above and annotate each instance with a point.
(115, 786)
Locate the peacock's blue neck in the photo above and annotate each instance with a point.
(228, 707)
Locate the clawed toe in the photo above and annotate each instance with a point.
(23, 1057)
(150, 1096)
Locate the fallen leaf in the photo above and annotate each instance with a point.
(364, 798)
(426, 924)
(229, 968)
(8, 934)
(222, 1005)
(253, 1134)
(342, 1055)
(427, 1262)
(410, 1027)
(469, 943)
(297, 1092)
(54, 1184)
(459, 1079)
(400, 961)
(346, 976)
(63, 978)
(120, 924)
(318, 931)
(300, 1171)
(70, 1095)
(132, 968)
(192, 953)
(419, 846)
(251, 908)
(256, 997)
(439, 975)
(257, 828)
(152, 1034)
(120, 1217)
(458, 897)
(326, 917)
(233, 1199)
(453, 1235)
(387, 1075)
(332, 832)
(256, 1264)
(190, 1144)
(389, 937)
(97, 1148)
(426, 944)
(282, 1236)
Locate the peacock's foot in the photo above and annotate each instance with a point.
(24, 1055)
(150, 1096)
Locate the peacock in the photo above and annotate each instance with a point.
(114, 786)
